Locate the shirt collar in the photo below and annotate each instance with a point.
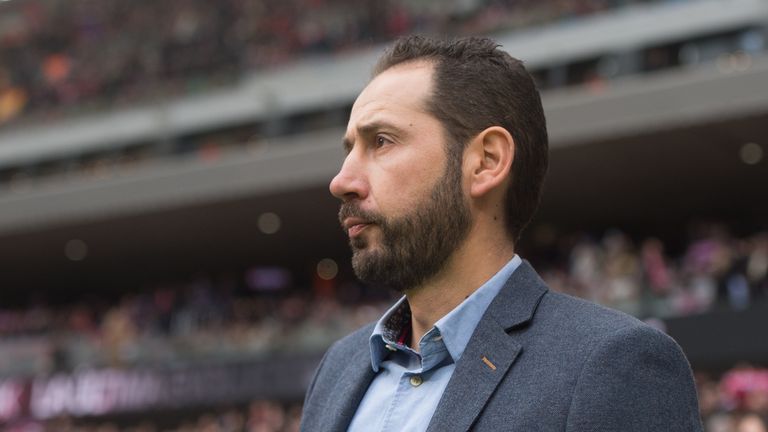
(386, 332)
(456, 327)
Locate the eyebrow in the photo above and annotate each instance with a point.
(368, 129)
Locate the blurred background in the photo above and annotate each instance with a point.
(170, 258)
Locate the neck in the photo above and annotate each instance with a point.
(470, 266)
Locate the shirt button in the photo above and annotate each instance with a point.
(416, 380)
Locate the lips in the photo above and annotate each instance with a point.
(356, 229)
(355, 226)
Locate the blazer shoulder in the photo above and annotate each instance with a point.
(584, 316)
(631, 376)
(581, 327)
(634, 378)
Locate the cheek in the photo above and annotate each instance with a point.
(404, 178)
(399, 193)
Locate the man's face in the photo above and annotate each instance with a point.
(403, 204)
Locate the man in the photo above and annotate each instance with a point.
(446, 155)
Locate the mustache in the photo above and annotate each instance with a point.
(349, 209)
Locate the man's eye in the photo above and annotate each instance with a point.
(381, 141)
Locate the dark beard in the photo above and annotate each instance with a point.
(416, 246)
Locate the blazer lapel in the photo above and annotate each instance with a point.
(490, 353)
(349, 391)
(478, 372)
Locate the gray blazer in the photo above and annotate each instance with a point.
(562, 364)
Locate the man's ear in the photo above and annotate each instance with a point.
(491, 153)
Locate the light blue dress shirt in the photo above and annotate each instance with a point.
(408, 385)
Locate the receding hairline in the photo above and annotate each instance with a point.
(426, 61)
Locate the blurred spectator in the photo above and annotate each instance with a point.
(751, 423)
(738, 402)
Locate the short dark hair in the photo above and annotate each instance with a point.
(476, 85)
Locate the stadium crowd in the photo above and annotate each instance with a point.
(645, 281)
(736, 401)
(229, 317)
(83, 55)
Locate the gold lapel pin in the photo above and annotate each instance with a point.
(488, 363)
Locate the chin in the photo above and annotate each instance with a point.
(363, 241)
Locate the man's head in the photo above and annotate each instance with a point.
(405, 184)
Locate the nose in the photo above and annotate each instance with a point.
(350, 182)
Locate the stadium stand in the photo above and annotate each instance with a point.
(242, 317)
(73, 55)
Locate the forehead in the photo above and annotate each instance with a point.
(394, 95)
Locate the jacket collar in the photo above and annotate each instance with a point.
(490, 352)
(518, 300)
